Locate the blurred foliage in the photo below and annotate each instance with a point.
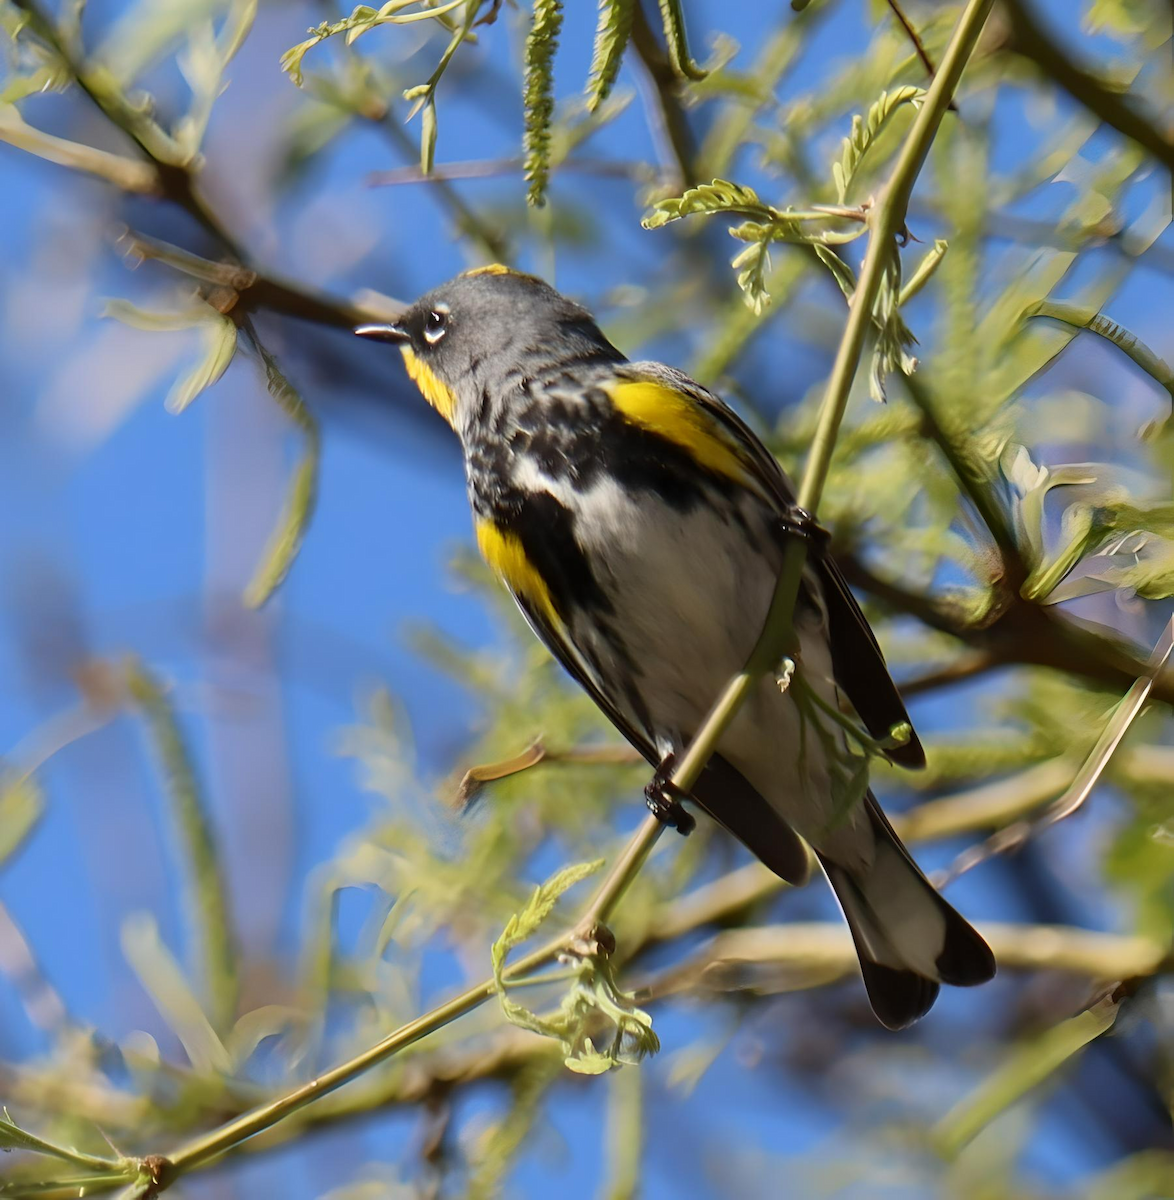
(999, 526)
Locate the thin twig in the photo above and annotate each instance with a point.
(177, 185)
(914, 37)
(1014, 837)
(666, 117)
(489, 168)
(475, 778)
(253, 289)
(968, 666)
(918, 44)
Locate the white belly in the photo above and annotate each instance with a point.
(690, 593)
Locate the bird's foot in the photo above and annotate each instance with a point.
(663, 798)
(800, 523)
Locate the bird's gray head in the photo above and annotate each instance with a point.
(484, 333)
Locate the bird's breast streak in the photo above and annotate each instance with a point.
(507, 558)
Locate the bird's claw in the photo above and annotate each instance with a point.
(663, 798)
(800, 523)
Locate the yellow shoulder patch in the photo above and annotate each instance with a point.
(507, 559)
(438, 394)
(679, 419)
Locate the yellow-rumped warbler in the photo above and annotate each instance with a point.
(640, 525)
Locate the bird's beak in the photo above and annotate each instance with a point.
(383, 333)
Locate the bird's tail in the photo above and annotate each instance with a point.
(908, 938)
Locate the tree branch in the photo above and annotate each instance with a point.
(667, 120)
(175, 183)
(253, 290)
(1030, 39)
(797, 956)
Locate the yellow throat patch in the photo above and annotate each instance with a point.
(679, 419)
(507, 559)
(439, 395)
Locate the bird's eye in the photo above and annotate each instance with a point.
(435, 326)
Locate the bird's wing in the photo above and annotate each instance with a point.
(722, 791)
(553, 635)
(857, 661)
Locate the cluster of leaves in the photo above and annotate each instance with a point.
(821, 228)
(594, 997)
(616, 20)
(40, 64)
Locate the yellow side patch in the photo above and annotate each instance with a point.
(437, 394)
(506, 558)
(679, 419)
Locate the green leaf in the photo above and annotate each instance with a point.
(716, 197)
(538, 95)
(208, 911)
(152, 321)
(611, 40)
(21, 805)
(891, 350)
(270, 1020)
(294, 520)
(220, 341)
(364, 18)
(203, 66)
(525, 924)
(291, 60)
(924, 271)
(1078, 317)
(593, 994)
(752, 265)
(865, 131)
(1032, 483)
(163, 980)
(1028, 1065)
(841, 272)
(678, 46)
(428, 136)
(768, 225)
(52, 77)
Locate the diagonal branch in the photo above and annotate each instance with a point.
(1031, 40)
(1015, 836)
(175, 183)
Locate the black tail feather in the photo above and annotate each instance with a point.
(908, 939)
(966, 960)
(897, 997)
